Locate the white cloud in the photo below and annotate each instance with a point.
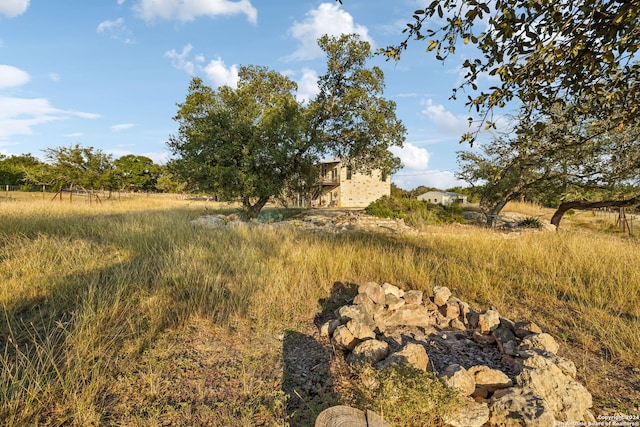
(54, 77)
(215, 70)
(120, 2)
(13, 8)
(158, 158)
(412, 157)
(329, 19)
(220, 74)
(123, 126)
(415, 171)
(11, 76)
(19, 115)
(180, 60)
(444, 120)
(116, 30)
(188, 10)
(74, 134)
(307, 85)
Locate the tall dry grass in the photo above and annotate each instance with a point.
(81, 286)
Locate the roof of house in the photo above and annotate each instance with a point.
(447, 193)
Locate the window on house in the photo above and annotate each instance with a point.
(384, 176)
(349, 172)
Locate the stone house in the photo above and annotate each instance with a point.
(342, 187)
(443, 197)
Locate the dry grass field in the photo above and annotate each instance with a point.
(122, 313)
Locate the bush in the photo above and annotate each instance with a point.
(530, 222)
(404, 395)
(415, 212)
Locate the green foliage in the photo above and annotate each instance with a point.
(255, 142)
(416, 213)
(14, 169)
(545, 55)
(77, 167)
(530, 222)
(269, 217)
(136, 173)
(405, 396)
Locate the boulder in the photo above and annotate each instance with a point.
(542, 341)
(517, 407)
(566, 398)
(488, 380)
(373, 291)
(413, 297)
(470, 414)
(343, 339)
(369, 352)
(522, 329)
(360, 329)
(393, 302)
(388, 288)
(327, 328)
(451, 310)
(411, 354)
(488, 321)
(441, 295)
(456, 376)
(407, 315)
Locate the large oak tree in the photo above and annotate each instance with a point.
(256, 141)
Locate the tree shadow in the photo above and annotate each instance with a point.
(308, 364)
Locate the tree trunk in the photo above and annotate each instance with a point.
(254, 210)
(584, 204)
(492, 212)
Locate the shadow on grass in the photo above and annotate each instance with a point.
(307, 364)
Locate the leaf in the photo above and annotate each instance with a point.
(432, 45)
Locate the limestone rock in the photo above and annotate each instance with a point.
(456, 376)
(413, 297)
(355, 312)
(470, 414)
(327, 328)
(488, 321)
(488, 380)
(451, 310)
(407, 315)
(343, 338)
(411, 354)
(565, 397)
(388, 288)
(369, 352)
(522, 329)
(441, 295)
(541, 341)
(541, 359)
(393, 302)
(365, 302)
(457, 324)
(360, 329)
(517, 407)
(373, 291)
(210, 221)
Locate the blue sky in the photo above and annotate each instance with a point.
(108, 73)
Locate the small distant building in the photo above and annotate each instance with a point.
(343, 187)
(444, 198)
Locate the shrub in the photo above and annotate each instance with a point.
(530, 222)
(415, 212)
(404, 395)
